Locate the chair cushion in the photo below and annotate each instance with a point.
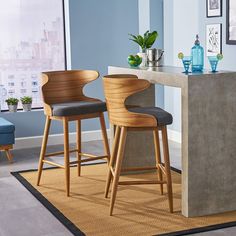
(78, 108)
(162, 117)
(7, 139)
(6, 126)
(7, 135)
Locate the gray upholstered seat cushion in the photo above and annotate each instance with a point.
(78, 108)
(163, 117)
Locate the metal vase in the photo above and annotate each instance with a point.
(27, 107)
(12, 108)
(154, 57)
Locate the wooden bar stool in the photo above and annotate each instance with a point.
(64, 100)
(117, 89)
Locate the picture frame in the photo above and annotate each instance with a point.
(231, 22)
(213, 39)
(213, 8)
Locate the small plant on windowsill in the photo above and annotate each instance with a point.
(26, 103)
(12, 104)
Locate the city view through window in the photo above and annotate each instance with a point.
(32, 41)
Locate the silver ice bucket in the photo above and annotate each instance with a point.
(154, 57)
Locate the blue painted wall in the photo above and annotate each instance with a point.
(156, 23)
(99, 37)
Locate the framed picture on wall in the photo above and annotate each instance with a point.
(213, 39)
(231, 22)
(214, 8)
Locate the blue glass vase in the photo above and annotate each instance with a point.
(197, 54)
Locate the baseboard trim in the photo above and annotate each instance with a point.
(57, 139)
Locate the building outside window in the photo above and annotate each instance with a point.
(32, 41)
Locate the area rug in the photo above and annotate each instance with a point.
(139, 210)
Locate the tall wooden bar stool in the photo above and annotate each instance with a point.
(65, 101)
(117, 89)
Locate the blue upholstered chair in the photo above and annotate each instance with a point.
(7, 137)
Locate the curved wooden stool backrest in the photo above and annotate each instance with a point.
(117, 89)
(65, 86)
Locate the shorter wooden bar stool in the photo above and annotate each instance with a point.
(117, 89)
(65, 101)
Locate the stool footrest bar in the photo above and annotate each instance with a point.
(139, 168)
(92, 159)
(86, 154)
(58, 153)
(162, 168)
(112, 171)
(141, 182)
(53, 164)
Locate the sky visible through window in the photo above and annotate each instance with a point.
(32, 41)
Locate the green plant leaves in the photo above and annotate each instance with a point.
(26, 100)
(12, 101)
(145, 41)
(137, 39)
(151, 38)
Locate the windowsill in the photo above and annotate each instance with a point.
(21, 111)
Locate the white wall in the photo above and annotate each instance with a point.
(144, 15)
(181, 19)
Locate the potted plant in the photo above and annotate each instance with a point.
(146, 41)
(26, 103)
(12, 104)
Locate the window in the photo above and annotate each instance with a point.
(32, 41)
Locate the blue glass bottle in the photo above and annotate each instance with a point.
(197, 53)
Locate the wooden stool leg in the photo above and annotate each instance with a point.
(66, 155)
(78, 143)
(104, 135)
(167, 167)
(9, 156)
(43, 148)
(120, 156)
(112, 161)
(158, 156)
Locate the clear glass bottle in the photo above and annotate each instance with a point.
(197, 54)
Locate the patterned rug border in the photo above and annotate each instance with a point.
(76, 231)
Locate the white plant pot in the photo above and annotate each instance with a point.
(12, 108)
(27, 107)
(143, 55)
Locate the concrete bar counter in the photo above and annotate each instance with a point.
(208, 135)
